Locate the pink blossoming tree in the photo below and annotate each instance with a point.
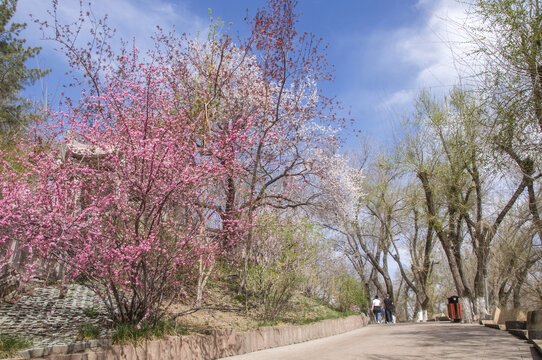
(165, 163)
(110, 189)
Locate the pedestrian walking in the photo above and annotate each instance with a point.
(377, 309)
(388, 309)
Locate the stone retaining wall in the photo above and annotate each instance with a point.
(503, 316)
(511, 315)
(220, 343)
(526, 325)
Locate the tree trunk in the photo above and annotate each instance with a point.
(451, 243)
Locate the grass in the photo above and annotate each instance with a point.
(332, 314)
(336, 315)
(10, 345)
(130, 334)
(92, 312)
(306, 310)
(88, 331)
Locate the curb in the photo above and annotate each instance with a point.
(220, 343)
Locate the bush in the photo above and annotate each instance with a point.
(281, 262)
(351, 294)
(88, 331)
(10, 345)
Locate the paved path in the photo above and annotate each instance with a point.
(45, 318)
(407, 341)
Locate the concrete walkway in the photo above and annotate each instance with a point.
(407, 341)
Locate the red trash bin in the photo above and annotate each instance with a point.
(454, 309)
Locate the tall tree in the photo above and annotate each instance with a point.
(15, 75)
(459, 187)
(509, 35)
(416, 229)
(263, 91)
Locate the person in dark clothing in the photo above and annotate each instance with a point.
(388, 308)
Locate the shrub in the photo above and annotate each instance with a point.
(88, 331)
(280, 262)
(9, 345)
(351, 294)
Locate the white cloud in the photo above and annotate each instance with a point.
(131, 19)
(400, 97)
(435, 49)
(394, 64)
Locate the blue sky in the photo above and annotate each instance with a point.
(384, 51)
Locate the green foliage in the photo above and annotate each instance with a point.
(88, 331)
(132, 333)
(510, 36)
(10, 345)
(15, 74)
(282, 264)
(279, 287)
(92, 312)
(239, 298)
(351, 294)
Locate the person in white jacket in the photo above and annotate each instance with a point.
(377, 309)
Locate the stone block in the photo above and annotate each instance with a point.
(520, 333)
(59, 357)
(514, 324)
(224, 343)
(246, 341)
(138, 352)
(153, 349)
(281, 337)
(105, 342)
(76, 347)
(36, 352)
(48, 350)
(534, 334)
(264, 338)
(496, 314)
(80, 356)
(114, 352)
(96, 354)
(91, 344)
(91, 355)
(25, 354)
(170, 347)
(534, 320)
(207, 346)
(191, 348)
(511, 315)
